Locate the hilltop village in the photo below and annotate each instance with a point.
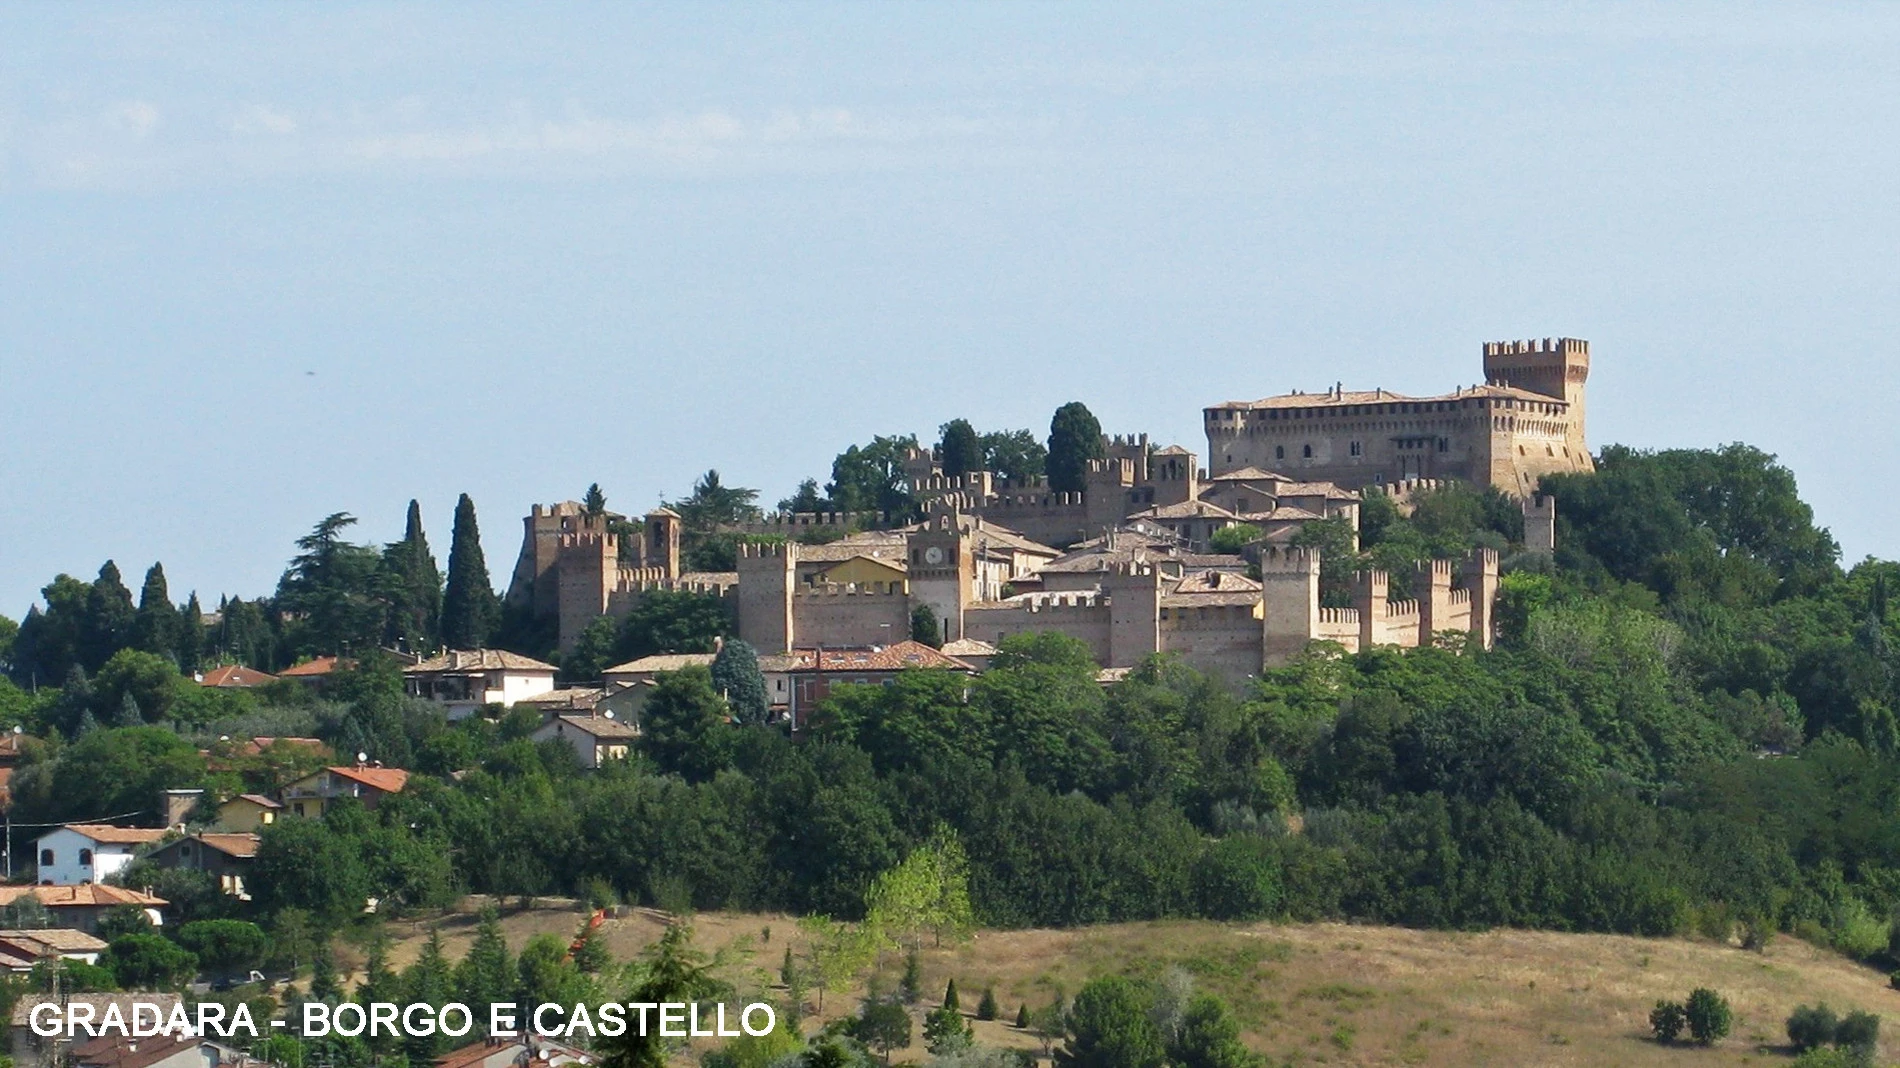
(1157, 552)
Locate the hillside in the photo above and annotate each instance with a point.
(1338, 994)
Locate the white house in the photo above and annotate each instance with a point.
(465, 680)
(88, 852)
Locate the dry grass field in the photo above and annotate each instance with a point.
(1329, 993)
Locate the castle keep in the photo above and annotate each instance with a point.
(1125, 565)
(1524, 422)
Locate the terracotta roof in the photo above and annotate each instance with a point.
(118, 1051)
(894, 657)
(886, 551)
(1214, 582)
(1186, 510)
(388, 780)
(1250, 474)
(472, 660)
(108, 834)
(23, 1008)
(777, 662)
(600, 726)
(572, 697)
(259, 800)
(661, 662)
(85, 895)
(1342, 398)
(242, 846)
(41, 941)
(1328, 490)
(1286, 513)
(322, 665)
(968, 647)
(235, 677)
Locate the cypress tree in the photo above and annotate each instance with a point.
(950, 1000)
(107, 627)
(595, 502)
(155, 628)
(129, 714)
(416, 583)
(986, 1009)
(1075, 438)
(1022, 1017)
(960, 451)
(469, 605)
(190, 647)
(735, 673)
(487, 973)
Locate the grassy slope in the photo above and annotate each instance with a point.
(1335, 994)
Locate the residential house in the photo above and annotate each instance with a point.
(645, 669)
(316, 673)
(81, 906)
(815, 671)
(31, 1051)
(21, 950)
(573, 700)
(234, 677)
(246, 813)
(313, 794)
(465, 680)
(971, 651)
(225, 857)
(88, 852)
(161, 1051)
(595, 739)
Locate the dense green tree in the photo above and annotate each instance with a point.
(805, 499)
(1014, 454)
(593, 652)
(883, 1026)
(923, 626)
(107, 625)
(487, 973)
(1075, 438)
(9, 631)
(148, 962)
(333, 592)
(155, 626)
(1109, 1027)
(303, 864)
(1708, 1016)
(946, 1032)
(470, 609)
(871, 478)
(672, 621)
(429, 981)
(415, 600)
(594, 501)
(959, 451)
(190, 647)
(736, 677)
(225, 947)
(1209, 1037)
(673, 972)
(113, 773)
(683, 724)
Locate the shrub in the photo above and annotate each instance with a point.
(1811, 1026)
(986, 1008)
(1667, 1020)
(1858, 1034)
(1708, 1015)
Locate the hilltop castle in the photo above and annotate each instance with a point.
(1125, 564)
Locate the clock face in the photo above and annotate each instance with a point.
(933, 555)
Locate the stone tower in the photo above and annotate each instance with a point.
(1134, 612)
(1554, 367)
(942, 570)
(767, 577)
(1290, 613)
(662, 541)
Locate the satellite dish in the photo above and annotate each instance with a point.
(224, 737)
(609, 714)
(362, 758)
(17, 729)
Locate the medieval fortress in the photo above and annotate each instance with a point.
(1126, 564)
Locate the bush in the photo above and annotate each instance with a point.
(1666, 1020)
(1238, 878)
(1859, 1035)
(1811, 1026)
(1708, 1015)
(986, 1008)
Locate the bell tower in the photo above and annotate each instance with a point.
(942, 569)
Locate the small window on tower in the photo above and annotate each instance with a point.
(1306, 451)
(1441, 444)
(1355, 448)
(1279, 452)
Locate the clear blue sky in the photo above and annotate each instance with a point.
(528, 247)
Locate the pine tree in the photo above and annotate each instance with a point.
(1022, 1017)
(323, 980)
(950, 1000)
(416, 587)
(129, 714)
(911, 987)
(1075, 438)
(986, 1009)
(590, 952)
(735, 674)
(429, 981)
(487, 973)
(960, 451)
(595, 502)
(469, 606)
(155, 627)
(87, 724)
(190, 647)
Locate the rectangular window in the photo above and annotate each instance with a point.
(1355, 448)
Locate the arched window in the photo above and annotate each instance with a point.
(85, 858)
(1306, 451)
(46, 857)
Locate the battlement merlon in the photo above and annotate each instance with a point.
(1563, 346)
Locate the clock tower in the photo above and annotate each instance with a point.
(942, 572)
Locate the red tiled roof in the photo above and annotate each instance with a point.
(235, 676)
(85, 895)
(106, 833)
(886, 658)
(317, 668)
(388, 780)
